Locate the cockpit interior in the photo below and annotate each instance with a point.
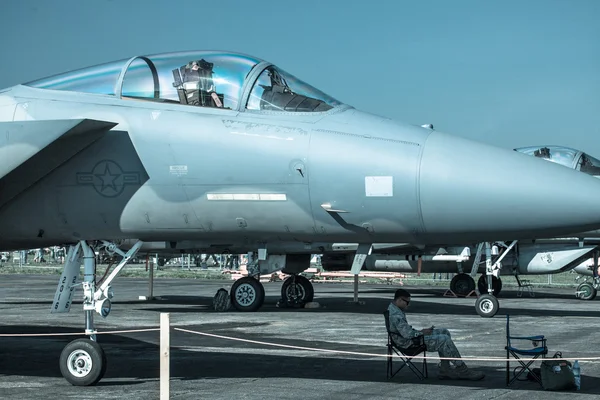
(571, 158)
(218, 80)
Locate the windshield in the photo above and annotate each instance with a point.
(277, 90)
(589, 164)
(560, 155)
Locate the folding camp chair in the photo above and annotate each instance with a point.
(539, 349)
(405, 354)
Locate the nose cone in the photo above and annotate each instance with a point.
(475, 192)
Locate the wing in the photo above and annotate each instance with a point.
(30, 150)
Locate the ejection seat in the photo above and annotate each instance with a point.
(200, 91)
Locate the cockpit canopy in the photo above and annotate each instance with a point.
(566, 156)
(203, 79)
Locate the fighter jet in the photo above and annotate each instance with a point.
(575, 252)
(525, 257)
(584, 162)
(587, 290)
(223, 147)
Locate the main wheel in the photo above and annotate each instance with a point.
(487, 306)
(83, 362)
(586, 291)
(297, 290)
(247, 294)
(483, 286)
(462, 284)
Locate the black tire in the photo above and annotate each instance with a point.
(586, 291)
(462, 284)
(247, 294)
(297, 291)
(487, 306)
(482, 285)
(83, 362)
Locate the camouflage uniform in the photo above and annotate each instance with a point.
(440, 339)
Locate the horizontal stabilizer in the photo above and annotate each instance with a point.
(33, 149)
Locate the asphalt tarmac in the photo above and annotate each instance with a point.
(213, 368)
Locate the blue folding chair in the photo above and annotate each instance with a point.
(539, 349)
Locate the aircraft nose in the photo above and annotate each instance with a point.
(472, 191)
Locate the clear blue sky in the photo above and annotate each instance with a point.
(507, 72)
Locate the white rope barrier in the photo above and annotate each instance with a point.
(76, 333)
(357, 353)
(287, 346)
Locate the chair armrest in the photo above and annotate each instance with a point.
(539, 337)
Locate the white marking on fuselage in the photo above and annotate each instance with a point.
(155, 115)
(261, 136)
(379, 186)
(247, 196)
(178, 170)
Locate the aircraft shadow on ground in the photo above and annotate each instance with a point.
(375, 302)
(134, 361)
(506, 293)
(371, 305)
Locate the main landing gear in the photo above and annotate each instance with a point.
(82, 361)
(462, 284)
(297, 291)
(248, 293)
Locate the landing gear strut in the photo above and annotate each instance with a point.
(482, 284)
(487, 304)
(82, 361)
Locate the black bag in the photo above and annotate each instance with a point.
(557, 374)
(221, 300)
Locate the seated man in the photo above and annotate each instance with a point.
(435, 339)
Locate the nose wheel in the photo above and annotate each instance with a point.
(586, 291)
(83, 362)
(487, 306)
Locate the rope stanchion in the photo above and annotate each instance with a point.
(357, 353)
